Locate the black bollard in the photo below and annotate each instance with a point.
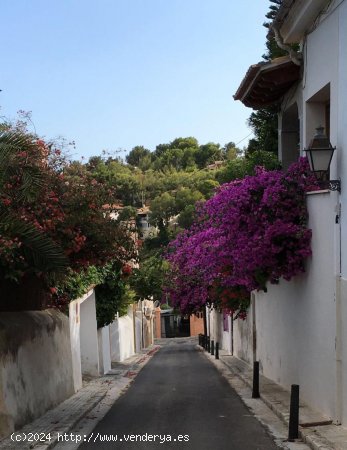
(255, 390)
(212, 347)
(208, 344)
(200, 340)
(293, 431)
(204, 340)
(217, 350)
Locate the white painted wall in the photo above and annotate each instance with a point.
(104, 350)
(296, 321)
(243, 338)
(343, 345)
(341, 140)
(84, 337)
(75, 342)
(89, 337)
(138, 334)
(122, 337)
(35, 365)
(216, 331)
(301, 326)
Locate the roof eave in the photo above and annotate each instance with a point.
(295, 17)
(265, 84)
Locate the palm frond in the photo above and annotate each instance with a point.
(39, 250)
(12, 143)
(32, 182)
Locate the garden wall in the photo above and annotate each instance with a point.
(219, 329)
(342, 318)
(35, 365)
(84, 338)
(122, 337)
(295, 322)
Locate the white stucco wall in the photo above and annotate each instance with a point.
(342, 125)
(84, 337)
(122, 337)
(215, 330)
(89, 337)
(325, 63)
(296, 321)
(75, 342)
(104, 350)
(343, 343)
(243, 338)
(138, 334)
(35, 365)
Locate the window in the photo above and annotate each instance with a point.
(318, 113)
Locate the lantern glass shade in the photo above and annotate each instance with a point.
(320, 153)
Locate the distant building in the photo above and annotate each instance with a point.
(143, 223)
(215, 165)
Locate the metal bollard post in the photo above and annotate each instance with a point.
(255, 390)
(212, 347)
(200, 340)
(217, 350)
(208, 344)
(293, 431)
(203, 338)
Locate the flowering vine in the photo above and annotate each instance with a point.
(52, 217)
(253, 231)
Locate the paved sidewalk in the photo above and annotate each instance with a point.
(322, 437)
(44, 432)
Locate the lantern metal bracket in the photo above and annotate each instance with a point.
(332, 185)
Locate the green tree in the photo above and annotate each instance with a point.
(137, 154)
(147, 280)
(163, 208)
(240, 167)
(186, 217)
(186, 196)
(264, 124)
(208, 153)
(230, 151)
(207, 187)
(264, 121)
(127, 213)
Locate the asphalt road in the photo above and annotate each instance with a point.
(179, 401)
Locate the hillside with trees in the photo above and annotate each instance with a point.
(171, 180)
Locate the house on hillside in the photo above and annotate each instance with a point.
(298, 329)
(140, 220)
(143, 221)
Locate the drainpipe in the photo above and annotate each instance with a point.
(338, 339)
(294, 56)
(338, 354)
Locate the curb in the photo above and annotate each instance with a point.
(308, 435)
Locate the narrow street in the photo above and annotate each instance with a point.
(182, 401)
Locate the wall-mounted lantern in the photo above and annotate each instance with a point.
(319, 153)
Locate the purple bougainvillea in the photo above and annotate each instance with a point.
(252, 231)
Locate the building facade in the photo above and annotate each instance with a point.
(298, 329)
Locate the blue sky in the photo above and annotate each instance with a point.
(112, 74)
